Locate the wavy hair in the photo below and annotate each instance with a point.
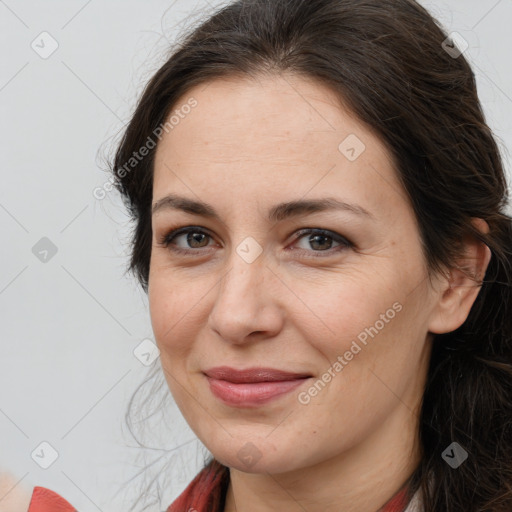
(385, 60)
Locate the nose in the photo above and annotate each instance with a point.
(246, 305)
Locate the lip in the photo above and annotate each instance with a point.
(252, 387)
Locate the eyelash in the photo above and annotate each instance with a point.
(166, 240)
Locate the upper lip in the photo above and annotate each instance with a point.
(252, 374)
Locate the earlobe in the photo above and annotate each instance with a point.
(461, 287)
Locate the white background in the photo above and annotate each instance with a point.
(69, 326)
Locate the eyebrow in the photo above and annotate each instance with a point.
(277, 213)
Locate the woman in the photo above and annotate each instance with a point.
(320, 226)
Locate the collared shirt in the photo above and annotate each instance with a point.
(206, 493)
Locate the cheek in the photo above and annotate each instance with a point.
(372, 322)
(174, 328)
(367, 363)
(341, 308)
(172, 312)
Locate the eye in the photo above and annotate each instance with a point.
(321, 241)
(192, 237)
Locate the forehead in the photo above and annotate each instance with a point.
(284, 109)
(284, 130)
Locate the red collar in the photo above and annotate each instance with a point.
(207, 493)
(44, 500)
(398, 503)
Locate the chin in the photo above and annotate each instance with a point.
(258, 456)
(262, 466)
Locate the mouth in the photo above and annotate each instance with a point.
(252, 387)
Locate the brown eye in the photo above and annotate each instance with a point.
(192, 239)
(321, 240)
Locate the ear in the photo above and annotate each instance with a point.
(459, 290)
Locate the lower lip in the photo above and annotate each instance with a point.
(253, 394)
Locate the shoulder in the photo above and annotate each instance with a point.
(14, 495)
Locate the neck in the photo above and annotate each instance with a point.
(363, 479)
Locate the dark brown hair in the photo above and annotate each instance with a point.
(386, 61)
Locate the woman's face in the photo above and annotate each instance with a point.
(346, 310)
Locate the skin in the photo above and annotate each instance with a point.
(247, 146)
(14, 495)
